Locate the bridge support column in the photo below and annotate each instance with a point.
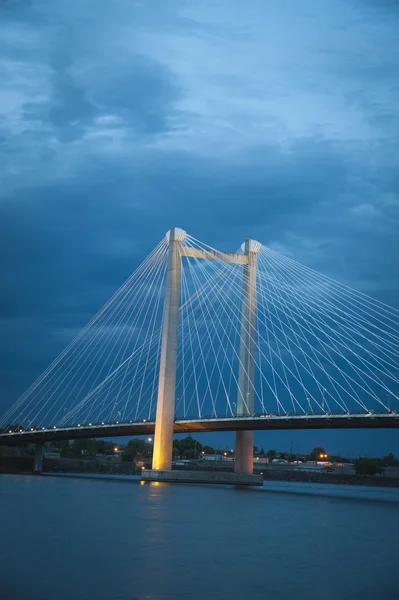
(38, 459)
(163, 437)
(246, 374)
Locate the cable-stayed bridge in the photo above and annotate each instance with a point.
(202, 340)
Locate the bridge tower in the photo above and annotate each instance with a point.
(246, 374)
(163, 437)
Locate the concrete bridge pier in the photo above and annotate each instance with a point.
(38, 459)
(244, 454)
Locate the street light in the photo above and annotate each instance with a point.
(150, 449)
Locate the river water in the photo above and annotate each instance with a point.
(68, 538)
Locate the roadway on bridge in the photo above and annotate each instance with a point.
(258, 423)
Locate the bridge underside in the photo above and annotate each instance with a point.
(369, 421)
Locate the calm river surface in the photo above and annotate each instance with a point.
(83, 539)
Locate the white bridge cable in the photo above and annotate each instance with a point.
(320, 364)
(316, 345)
(155, 320)
(210, 339)
(113, 378)
(146, 302)
(270, 363)
(150, 353)
(222, 292)
(204, 291)
(97, 316)
(347, 331)
(190, 321)
(143, 289)
(313, 297)
(210, 343)
(366, 362)
(341, 293)
(135, 357)
(378, 400)
(92, 330)
(305, 391)
(332, 362)
(136, 374)
(266, 357)
(341, 288)
(273, 331)
(84, 376)
(358, 371)
(242, 316)
(199, 267)
(145, 295)
(111, 303)
(182, 310)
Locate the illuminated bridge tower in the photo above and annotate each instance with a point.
(163, 437)
(246, 374)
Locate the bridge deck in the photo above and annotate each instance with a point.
(352, 421)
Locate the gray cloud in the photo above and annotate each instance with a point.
(117, 124)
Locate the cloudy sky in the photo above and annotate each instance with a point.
(264, 119)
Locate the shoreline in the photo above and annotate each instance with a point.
(269, 477)
(320, 490)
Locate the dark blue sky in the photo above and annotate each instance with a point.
(276, 121)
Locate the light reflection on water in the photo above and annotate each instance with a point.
(64, 538)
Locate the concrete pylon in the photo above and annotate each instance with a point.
(246, 374)
(163, 436)
(38, 459)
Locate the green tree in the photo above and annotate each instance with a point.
(271, 454)
(208, 450)
(136, 449)
(317, 454)
(84, 448)
(63, 447)
(368, 466)
(89, 448)
(389, 460)
(188, 447)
